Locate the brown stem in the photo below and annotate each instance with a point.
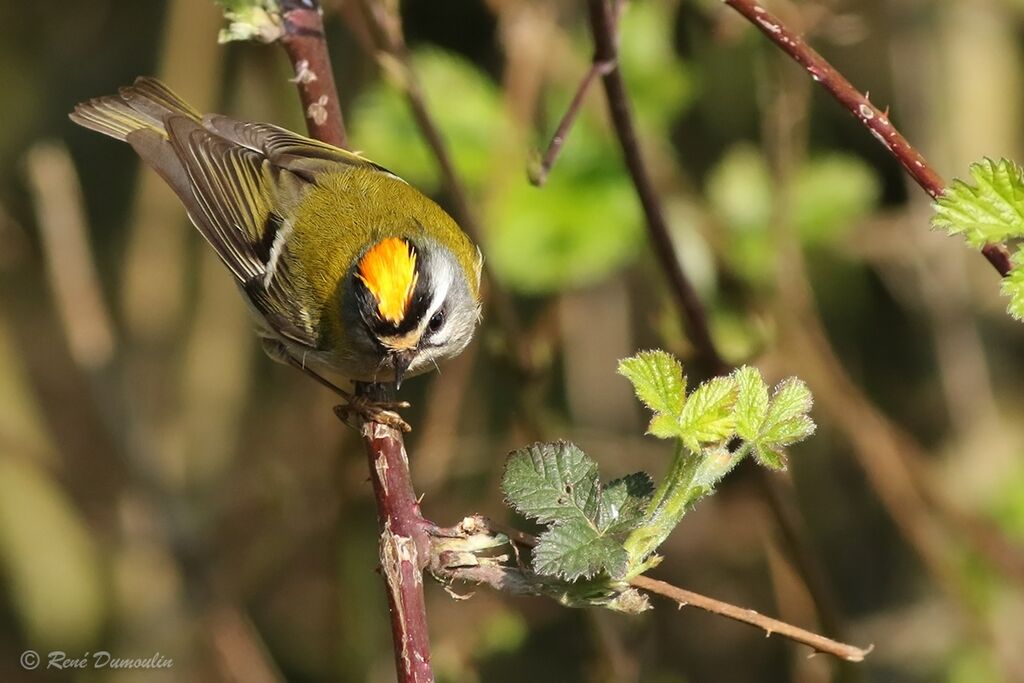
(306, 46)
(404, 545)
(404, 548)
(861, 107)
(539, 173)
(457, 556)
(748, 616)
(606, 52)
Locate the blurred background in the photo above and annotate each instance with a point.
(166, 488)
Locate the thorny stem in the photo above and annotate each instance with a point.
(404, 544)
(459, 556)
(306, 46)
(404, 548)
(770, 626)
(858, 104)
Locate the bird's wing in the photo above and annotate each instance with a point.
(303, 156)
(231, 190)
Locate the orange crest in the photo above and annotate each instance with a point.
(389, 271)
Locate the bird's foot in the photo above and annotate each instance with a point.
(382, 412)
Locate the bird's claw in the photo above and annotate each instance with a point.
(381, 412)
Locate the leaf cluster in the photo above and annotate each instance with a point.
(736, 405)
(600, 535)
(989, 211)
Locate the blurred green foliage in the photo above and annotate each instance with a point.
(281, 533)
(828, 195)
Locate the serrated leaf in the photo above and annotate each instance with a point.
(557, 484)
(1013, 286)
(623, 502)
(992, 210)
(768, 457)
(751, 402)
(658, 380)
(552, 482)
(787, 421)
(576, 550)
(664, 426)
(707, 416)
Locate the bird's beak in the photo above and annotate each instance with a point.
(402, 361)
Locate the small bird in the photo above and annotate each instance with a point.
(346, 268)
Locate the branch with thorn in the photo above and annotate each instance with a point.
(860, 105)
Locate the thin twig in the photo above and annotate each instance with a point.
(858, 104)
(306, 46)
(748, 616)
(606, 51)
(538, 173)
(384, 25)
(449, 562)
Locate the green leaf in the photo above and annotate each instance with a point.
(623, 502)
(707, 416)
(557, 484)
(785, 423)
(574, 550)
(1013, 286)
(992, 210)
(751, 404)
(552, 482)
(664, 426)
(258, 20)
(770, 458)
(658, 380)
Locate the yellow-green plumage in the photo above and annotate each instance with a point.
(291, 218)
(367, 206)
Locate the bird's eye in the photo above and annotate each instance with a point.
(436, 321)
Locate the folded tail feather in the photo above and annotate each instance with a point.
(145, 105)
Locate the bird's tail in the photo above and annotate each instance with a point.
(145, 105)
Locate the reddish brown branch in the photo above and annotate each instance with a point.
(404, 549)
(861, 107)
(404, 544)
(306, 46)
(748, 616)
